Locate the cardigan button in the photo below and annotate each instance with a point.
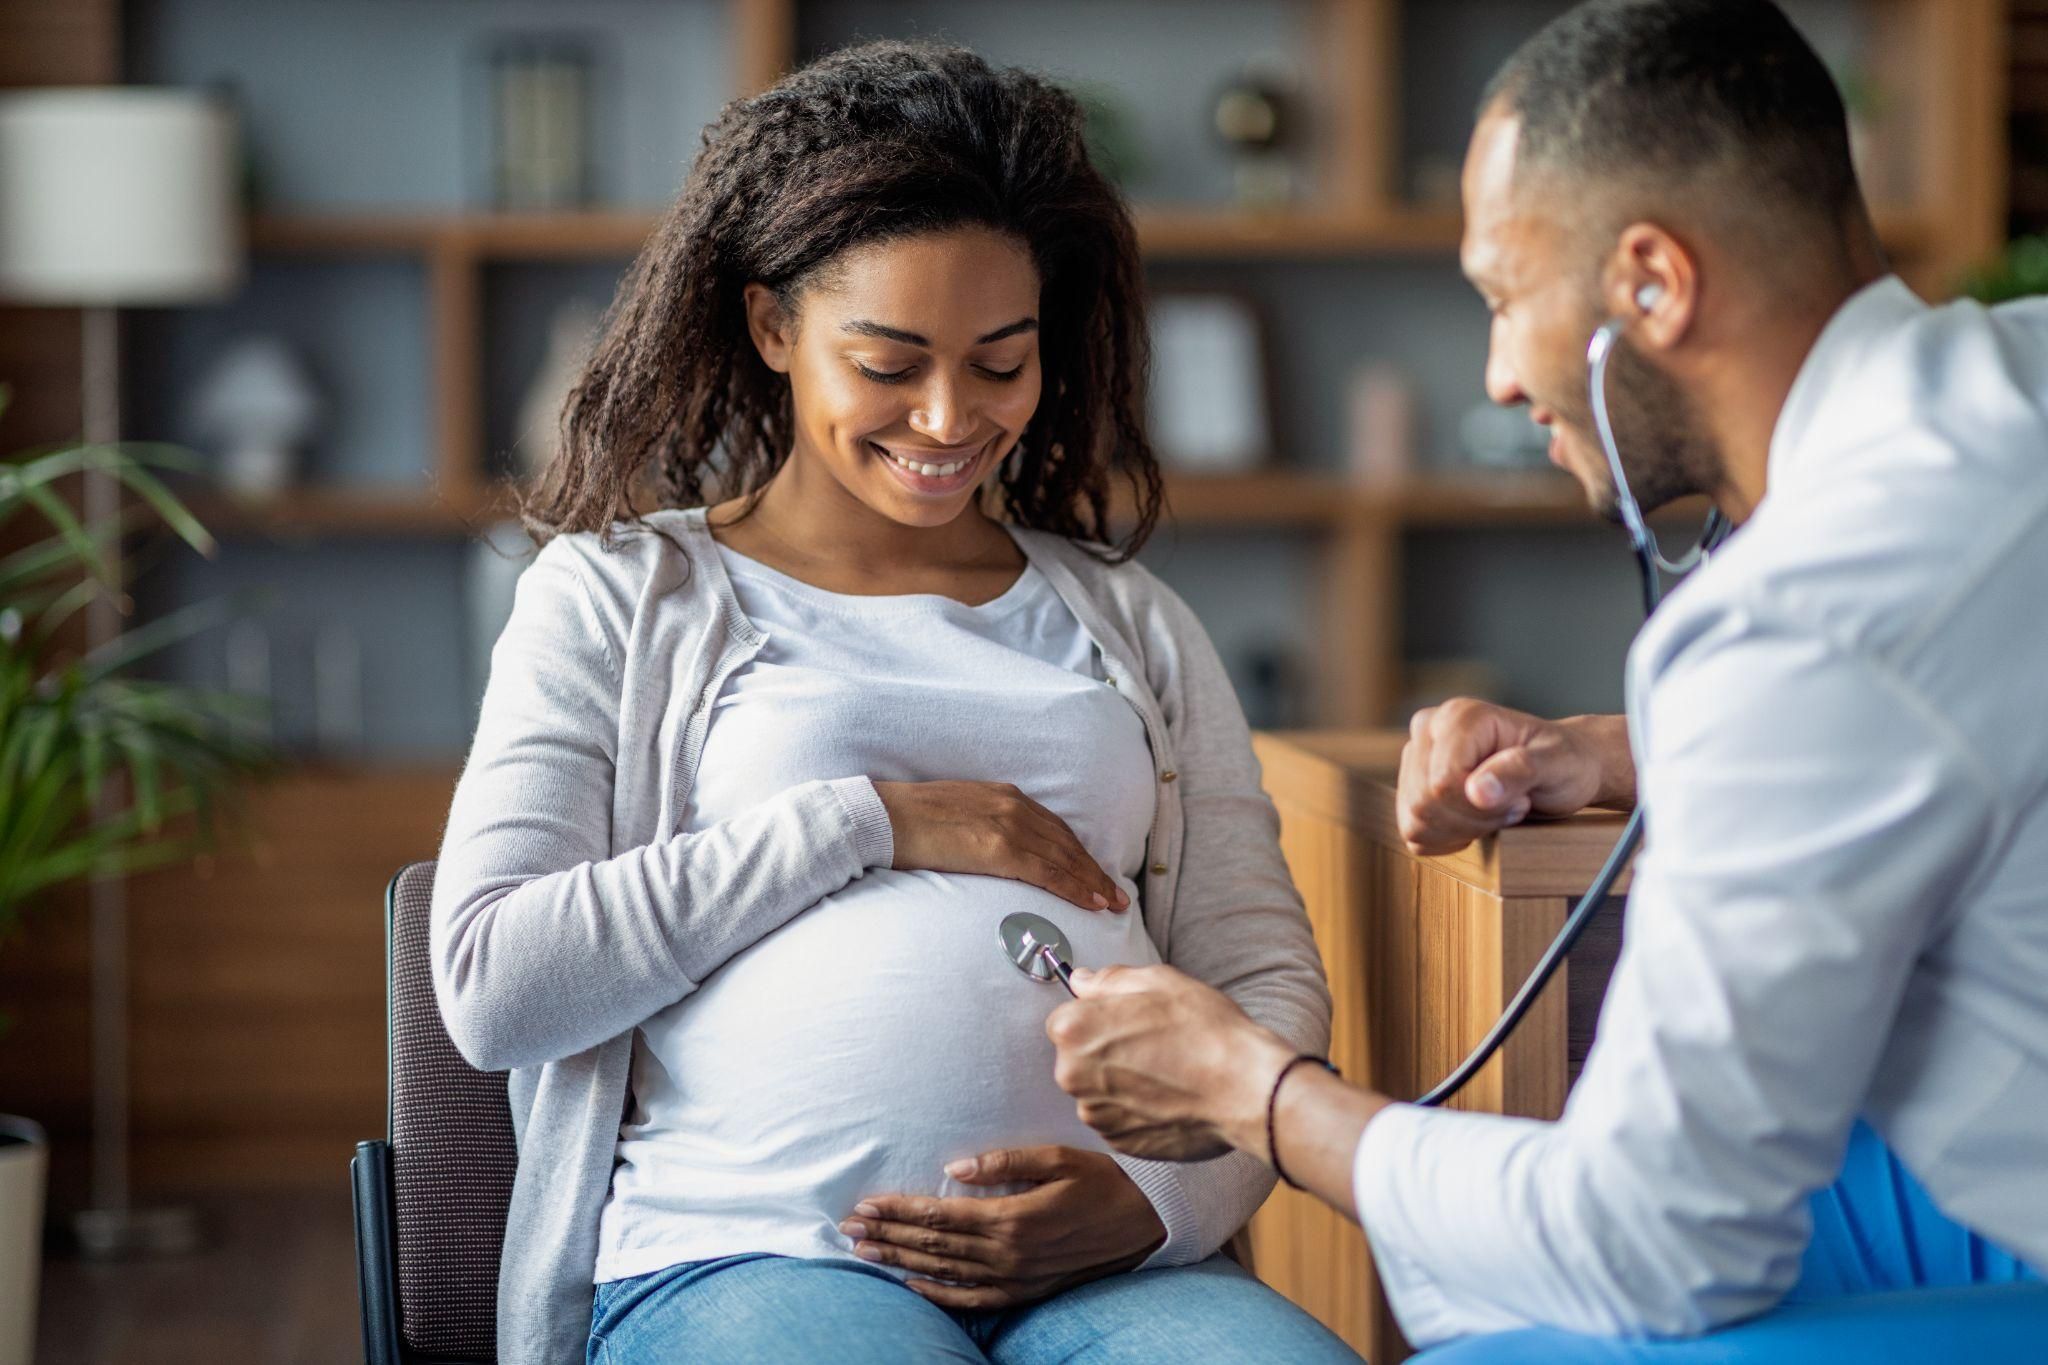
(1159, 869)
(1168, 776)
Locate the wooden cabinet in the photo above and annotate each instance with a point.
(1423, 954)
(256, 992)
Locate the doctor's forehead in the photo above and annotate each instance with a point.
(1488, 187)
(1512, 228)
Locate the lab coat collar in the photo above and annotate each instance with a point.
(1826, 377)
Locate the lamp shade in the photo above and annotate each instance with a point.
(117, 196)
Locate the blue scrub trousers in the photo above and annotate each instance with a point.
(1886, 1279)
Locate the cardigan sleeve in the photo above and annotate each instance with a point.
(544, 941)
(1238, 922)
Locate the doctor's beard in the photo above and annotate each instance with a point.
(1665, 449)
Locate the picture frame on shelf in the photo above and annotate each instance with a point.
(1210, 404)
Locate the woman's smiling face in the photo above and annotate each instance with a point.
(913, 367)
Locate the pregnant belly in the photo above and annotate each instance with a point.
(855, 1051)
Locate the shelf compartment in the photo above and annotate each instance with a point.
(309, 512)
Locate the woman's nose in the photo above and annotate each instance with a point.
(941, 416)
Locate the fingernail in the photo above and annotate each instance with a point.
(867, 1252)
(1101, 901)
(1518, 812)
(854, 1230)
(1487, 790)
(1084, 973)
(962, 1168)
(867, 1210)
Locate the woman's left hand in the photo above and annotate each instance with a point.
(1083, 1219)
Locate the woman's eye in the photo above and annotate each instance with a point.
(884, 376)
(1003, 376)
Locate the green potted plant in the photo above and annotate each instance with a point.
(102, 772)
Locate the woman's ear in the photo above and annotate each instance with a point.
(771, 327)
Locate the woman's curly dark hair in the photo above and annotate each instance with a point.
(878, 141)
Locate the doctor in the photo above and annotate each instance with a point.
(1822, 1067)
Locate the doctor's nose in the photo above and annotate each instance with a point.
(1502, 384)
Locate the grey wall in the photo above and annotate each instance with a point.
(398, 603)
(358, 325)
(380, 103)
(1164, 59)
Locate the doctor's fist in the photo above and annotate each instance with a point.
(1471, 767)
(1163, 1066)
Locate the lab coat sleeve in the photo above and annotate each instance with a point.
(1811, 821)
(544, 942)
(1238, 922)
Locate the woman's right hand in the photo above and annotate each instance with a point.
(994, 830)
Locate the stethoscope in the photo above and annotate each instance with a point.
(1036, 947)
(1650, 558)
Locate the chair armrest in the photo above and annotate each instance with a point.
(376, 1284)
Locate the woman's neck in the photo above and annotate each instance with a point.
(805, 523)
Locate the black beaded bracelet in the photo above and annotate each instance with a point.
(1272, 1102)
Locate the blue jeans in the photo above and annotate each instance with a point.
(776, 1308)
(1887, 1278)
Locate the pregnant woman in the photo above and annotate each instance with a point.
(759, 773)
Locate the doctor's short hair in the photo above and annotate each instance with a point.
(1723, 95)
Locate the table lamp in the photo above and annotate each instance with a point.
(115, 197)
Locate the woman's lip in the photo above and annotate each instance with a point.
(927, 484)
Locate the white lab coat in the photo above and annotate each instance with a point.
(1841, 730)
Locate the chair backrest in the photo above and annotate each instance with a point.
(452, 1152)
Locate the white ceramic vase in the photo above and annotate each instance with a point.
(24, 1167)
(260, 405)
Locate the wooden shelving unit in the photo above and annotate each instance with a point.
(1944, 51)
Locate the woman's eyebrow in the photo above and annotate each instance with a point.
(885, 333)
(1019, 326)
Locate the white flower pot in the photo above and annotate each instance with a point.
(24, 1164)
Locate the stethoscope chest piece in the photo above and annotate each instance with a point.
(1035, 946)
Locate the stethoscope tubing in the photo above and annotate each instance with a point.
(1650, 559)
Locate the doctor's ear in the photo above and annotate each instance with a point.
(771, 327)
(1652, 280)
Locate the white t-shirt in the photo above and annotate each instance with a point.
(879, 1034)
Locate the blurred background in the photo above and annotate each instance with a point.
(441, 195)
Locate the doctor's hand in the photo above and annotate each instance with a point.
(1164, 1066)
(1471, 767)
(1082, 1219)
(993, 829)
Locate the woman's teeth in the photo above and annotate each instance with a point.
(930, 471)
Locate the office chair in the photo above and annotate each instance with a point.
(430, 1198)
